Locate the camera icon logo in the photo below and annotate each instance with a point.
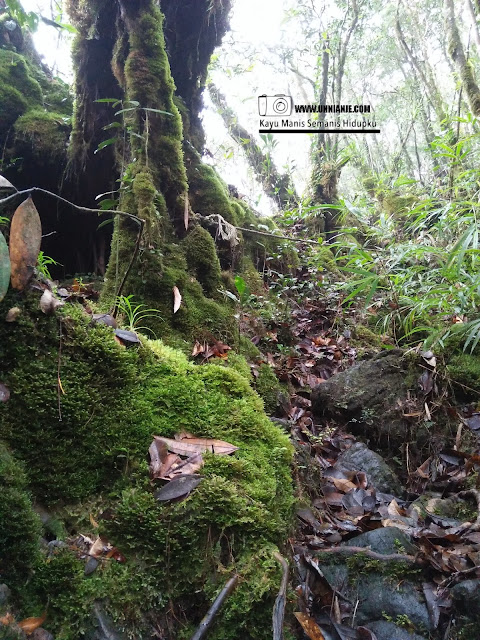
(279, 105)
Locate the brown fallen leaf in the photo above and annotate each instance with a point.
(343, 485)
(48, 302)
(309, 625)
(25, 239)
(180, 487)
(161, 462)
(6, 184)
(7, 619)
(189, 446)
(177, 299)
(190, 465)
(28, 625)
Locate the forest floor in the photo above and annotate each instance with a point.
(387, 544)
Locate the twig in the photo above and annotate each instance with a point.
(454, 577)
(279, 606)
(206, 623)
(371, 554)
(273, 235)
(139, 221)
(64, 200)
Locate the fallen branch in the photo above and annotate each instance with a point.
(398, 557)
(206, 623)
(279, 606)
(459, 574)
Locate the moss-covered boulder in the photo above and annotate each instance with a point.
(81, 415)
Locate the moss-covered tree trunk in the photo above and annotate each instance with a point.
(154, 61)
(457, 53)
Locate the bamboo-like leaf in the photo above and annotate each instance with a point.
(25, 240)
(4, 267)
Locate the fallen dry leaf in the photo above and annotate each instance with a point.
(309, 625)
(48, 302)
(189, 446)
(28, 625)
(25, 239)
(180, 487)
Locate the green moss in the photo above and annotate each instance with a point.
(248, 349)
(253, 279)
(208, 193)
(20, 527)
(42, 135)
(268, 387)
(114, 401)
(202, 260)
(236, 362)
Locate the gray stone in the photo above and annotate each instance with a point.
(379, 595)
(389, 631)
(41, 634)
(466, 597)
(385, 540)
(369, 396)
(360, 458)
(4, 595)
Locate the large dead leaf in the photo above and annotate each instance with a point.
(4, 267)
(190, 446)
(310, 627)
(181, 487)
(30, 624)
(25, 239)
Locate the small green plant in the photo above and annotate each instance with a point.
(135, 314)
(43, 262)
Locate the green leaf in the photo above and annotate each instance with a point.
(112, 125)
(106, 100)
(4, 267)
(104, 144)
(104, 223)
(240, 285)
(165, 113)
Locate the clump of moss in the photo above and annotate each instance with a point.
(42, 134)
(208, 193)
(20, 530)
(113, 401)
(202, 260)
(251, 276)
(18, 89)
(268, 387)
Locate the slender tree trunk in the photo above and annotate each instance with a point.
(457, 53)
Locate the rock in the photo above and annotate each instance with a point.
(360, 458)
(369, 396)
(379, 592)
(4, 595)
(389, 631)
(41, 634)
(466, 597)
(385, 540)
(379, 596)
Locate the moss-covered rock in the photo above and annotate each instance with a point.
(42, 135)
(112, 401)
